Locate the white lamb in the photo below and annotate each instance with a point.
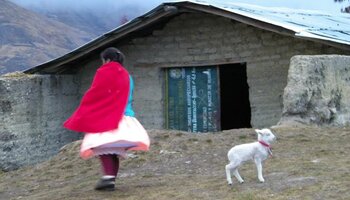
(257, 151)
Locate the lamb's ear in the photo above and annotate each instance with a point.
(258, 131)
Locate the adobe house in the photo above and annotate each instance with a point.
(197, 67)
(209, 66)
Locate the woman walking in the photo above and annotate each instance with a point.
(106, 117)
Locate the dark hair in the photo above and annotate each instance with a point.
(112, 54)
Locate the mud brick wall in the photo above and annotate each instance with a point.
(32, 109)
(202, 39)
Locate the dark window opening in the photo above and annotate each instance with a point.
(234, 97)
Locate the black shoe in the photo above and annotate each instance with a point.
(106, 184)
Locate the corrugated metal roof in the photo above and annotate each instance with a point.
(309, 24)
(305, 23)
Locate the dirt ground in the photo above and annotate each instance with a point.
(307, 163)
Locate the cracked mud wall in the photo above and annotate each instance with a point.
(318, 91)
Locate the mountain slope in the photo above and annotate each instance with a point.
(92, 16)
(28, 39)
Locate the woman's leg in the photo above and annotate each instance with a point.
(116, 165)
(110, 164)
(110, 167)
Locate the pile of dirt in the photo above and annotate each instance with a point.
(307, 164)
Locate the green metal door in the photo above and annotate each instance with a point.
(192, 99)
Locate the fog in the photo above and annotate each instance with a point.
(145, 5)
(86, 4)
(99, 16)
(93, 16)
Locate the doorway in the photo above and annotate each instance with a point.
(234, 97)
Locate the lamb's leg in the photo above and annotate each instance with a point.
(259, 169)
(228, 173)
(237, 175)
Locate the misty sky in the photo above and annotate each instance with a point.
(325, 5)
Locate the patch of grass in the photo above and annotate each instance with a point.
(69, 166)
(209, 141)
(164, 136)
(148, 175)
(307, 164)
(16, 74)
(249, 196)
(242, 137)
(193, 139)
(304, 140)
(179, 134)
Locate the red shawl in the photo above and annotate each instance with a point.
(104, 103)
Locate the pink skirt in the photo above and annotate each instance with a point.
(130, 135)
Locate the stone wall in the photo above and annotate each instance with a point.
(202, 39)
(318, 91)
(32, 109)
